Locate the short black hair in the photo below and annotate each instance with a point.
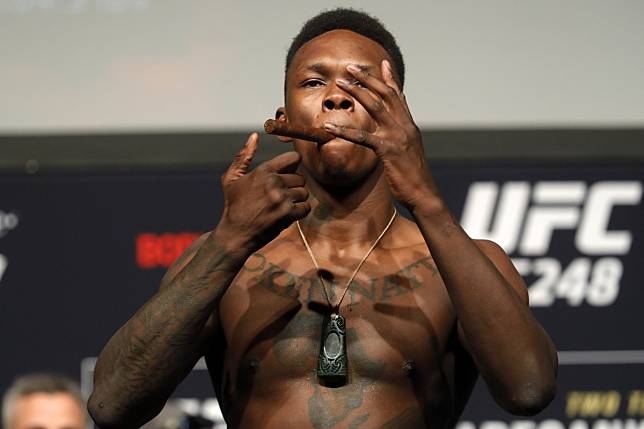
(357, 21)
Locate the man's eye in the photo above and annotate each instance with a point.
(358, 83)
(312, 83)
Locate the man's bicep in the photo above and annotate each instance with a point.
(504, 266)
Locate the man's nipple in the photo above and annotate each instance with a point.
(409, 368)
(253, 364)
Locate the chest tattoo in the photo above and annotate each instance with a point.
(308, 289)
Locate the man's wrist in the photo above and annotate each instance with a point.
(427, 204)
(237, 246)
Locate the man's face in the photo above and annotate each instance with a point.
(47, 411)
(313, 98)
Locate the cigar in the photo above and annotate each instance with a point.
(318, 135)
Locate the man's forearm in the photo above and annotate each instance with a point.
(145, 360)
(513, 353)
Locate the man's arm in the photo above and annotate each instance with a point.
(513, 353)
(510, 348)
(143, 362)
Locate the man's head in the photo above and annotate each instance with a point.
(349, 19)
(318, 57)
(43, 401)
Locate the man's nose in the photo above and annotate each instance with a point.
(336, 98)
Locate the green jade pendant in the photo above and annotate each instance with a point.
(332, 363)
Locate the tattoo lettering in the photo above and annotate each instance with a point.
(426, 262)
(357, 288)
(281, 282)
(287, 285)
(255, 263)
(355, 424)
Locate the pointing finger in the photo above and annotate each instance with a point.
(242, 160)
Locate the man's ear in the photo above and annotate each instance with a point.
(280, 115)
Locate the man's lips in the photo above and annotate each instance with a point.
(338, 122)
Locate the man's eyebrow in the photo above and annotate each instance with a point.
(317, 67)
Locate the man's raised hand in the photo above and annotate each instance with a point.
(260, 203)
(396, 140)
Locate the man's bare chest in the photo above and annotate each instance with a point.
(273, 315)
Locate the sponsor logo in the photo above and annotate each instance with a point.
(523, 218)
(585, 409)
(161, 250)
(555, 424)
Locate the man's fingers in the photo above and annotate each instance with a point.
(390, 94)
(284, 163)
(245, 156)
(300, 210)
(292, 180)
(355, 135)
(298, 194)
(388, 75)
(370, 101)
(242, 160)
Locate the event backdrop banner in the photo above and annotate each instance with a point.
(79, 254)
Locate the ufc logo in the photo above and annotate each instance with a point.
(522, 217)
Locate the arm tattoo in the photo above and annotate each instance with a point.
(145, 360)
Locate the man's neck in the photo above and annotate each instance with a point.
(347, 219)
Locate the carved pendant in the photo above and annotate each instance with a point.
(332, 363)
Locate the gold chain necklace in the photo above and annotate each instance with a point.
(332, 361)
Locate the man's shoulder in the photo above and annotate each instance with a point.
(488, 246)
(409, 236)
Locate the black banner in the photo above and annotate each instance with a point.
(79, 254)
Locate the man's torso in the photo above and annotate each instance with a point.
(406, 368)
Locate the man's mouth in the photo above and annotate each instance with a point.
(338, 123)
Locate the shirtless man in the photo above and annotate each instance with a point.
(427, 311)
